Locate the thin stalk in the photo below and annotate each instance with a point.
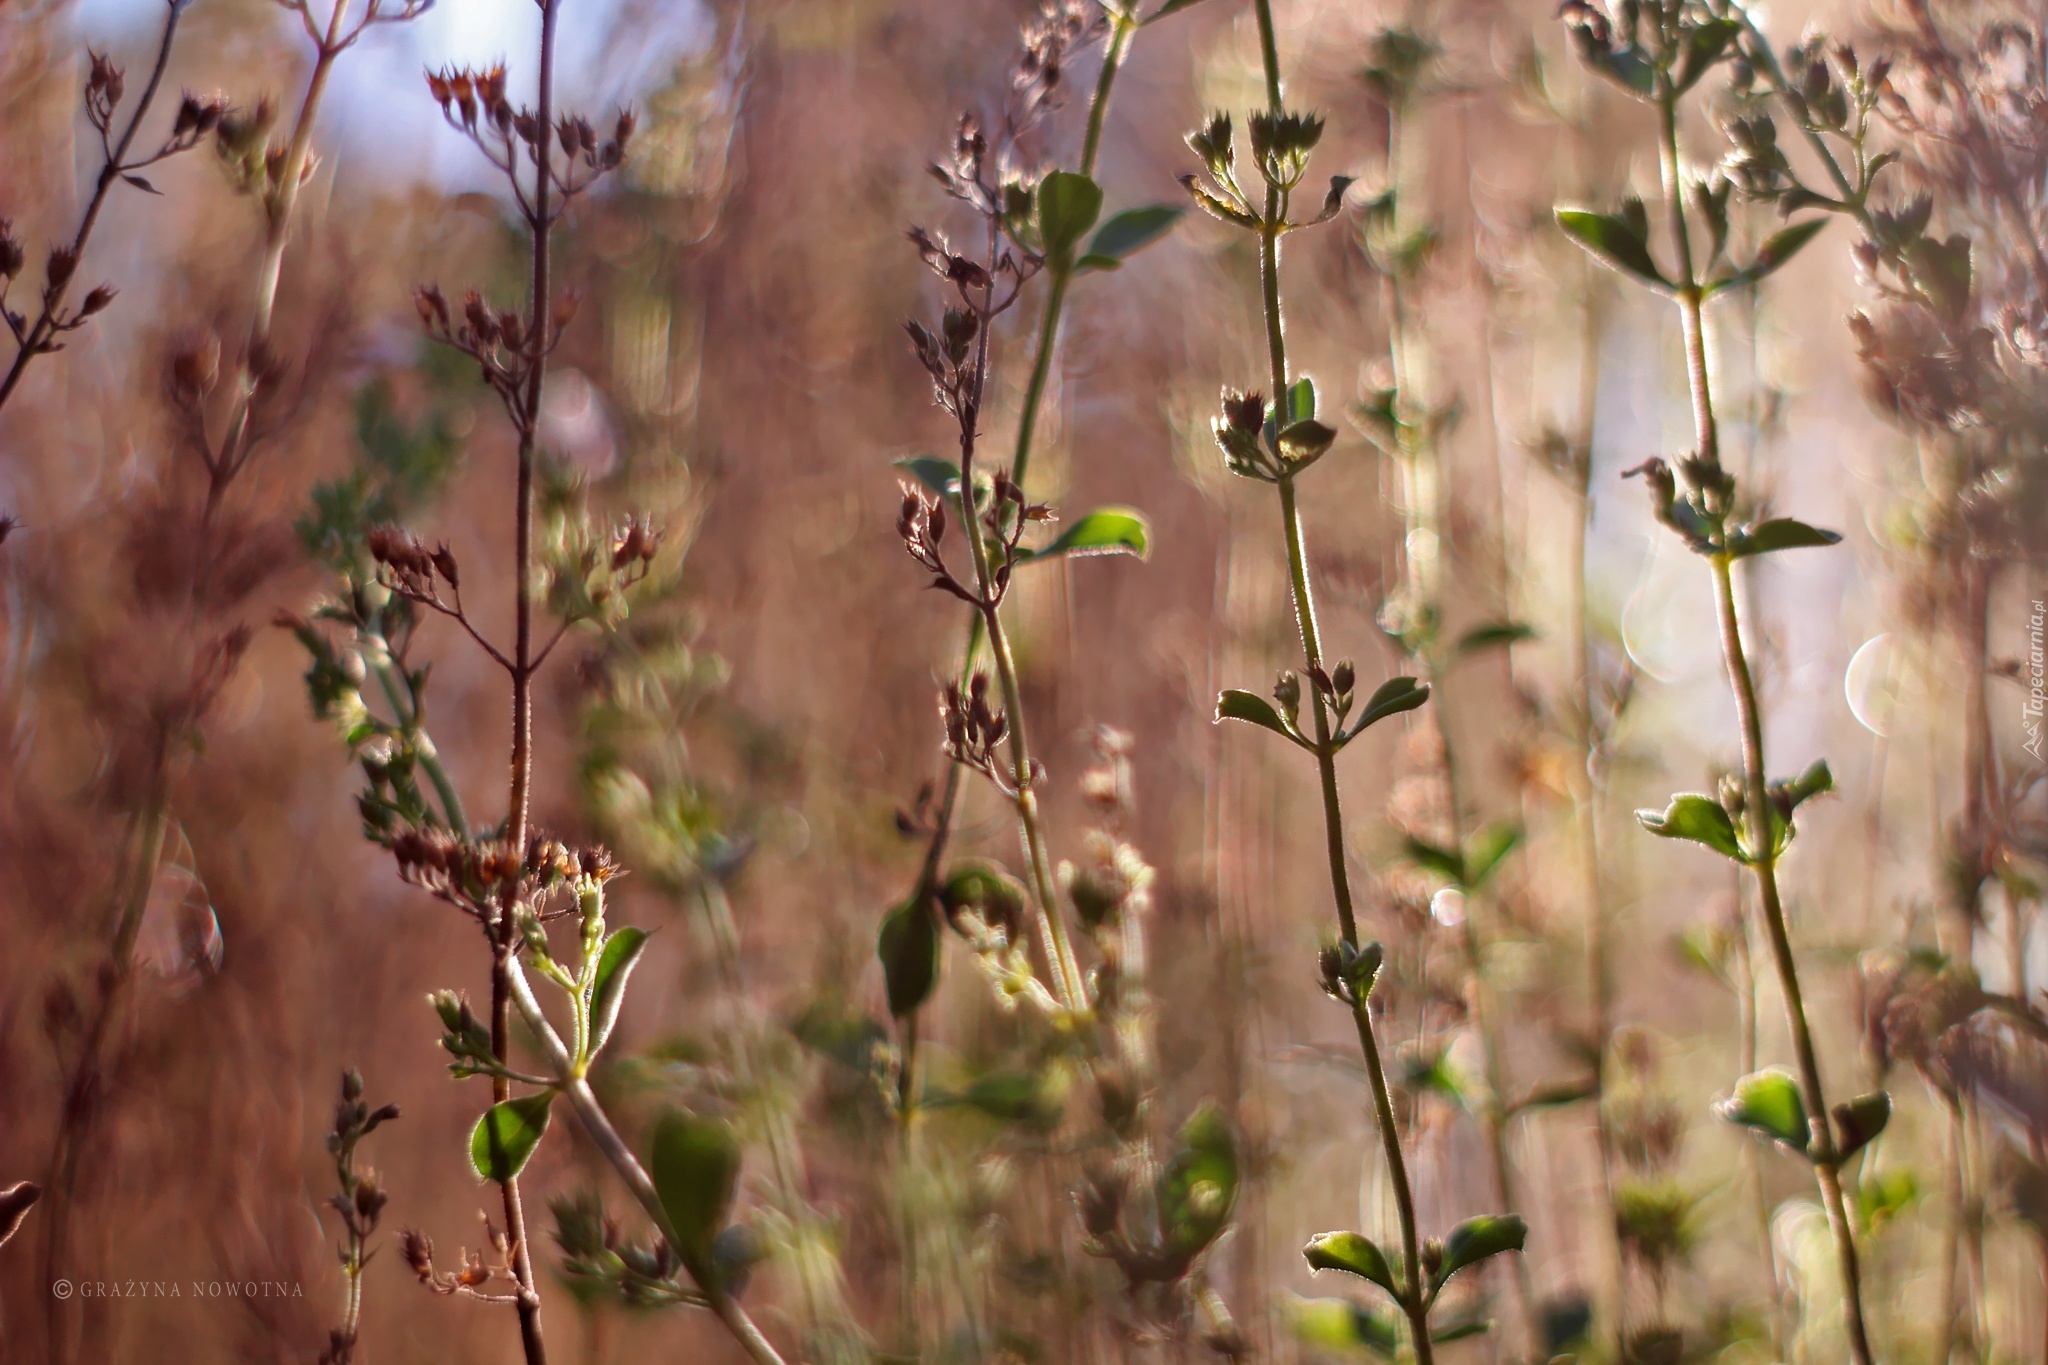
(1757, 803)
(46, 323)
(278, 210)
(148, 827)
(1122, 32)
(81, 1095)
(504, 965)
(1413, 1302)
(1752, 1157)
(597, 1125)
(1826, 1165)
(1587, 794)
(1059, 949)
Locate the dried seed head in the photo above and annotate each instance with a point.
(12, 258)
(198, 117)
(195, 369)
(418, 1250)
(105, 81)
(96, 301)
(63, 261)
(432, 305)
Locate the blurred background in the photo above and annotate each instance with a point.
(737, 369)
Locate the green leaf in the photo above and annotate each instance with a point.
(1487, 848)
(1769, 1102)
(1015, 1097)
(908, 946)
(615, 964)
(1476, 1239)
(1459, 1331)
(1698, 818)
(937, 475)
(1393, 696)
(1703, 47)
(1614, 242)
(1444, 862)
(1815, 781)
(1198, 1188)
(1339, 1325)
(1301, 399)
(1782, 245)
(1234, 704)
(1493, 635)
(695, 1166)
(1105, 531)
(1170, 7)
(506, 1135)
(1068, 204)
(1942, 270)
(1860, 1120)
(1353, 1254)
(1779, 533)
(1127, 233)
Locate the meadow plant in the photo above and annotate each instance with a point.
(1024, 1159)
(1660, 53)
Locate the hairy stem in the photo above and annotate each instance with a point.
(1757, 804)
(1826, 1165)
(504, 966)
(1413, 1302)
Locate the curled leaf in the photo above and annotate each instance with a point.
(1353, 1254)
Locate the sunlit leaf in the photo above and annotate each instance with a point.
(615, 963)
(1698, 818)
(1355, 1255)
(1769, 1103)
(1779, 533)
(1614, 241)
(1104, 531)
(505, 1137)
(1475, 1240)
(1250, 707)
(1391, 698)
(1170, 7)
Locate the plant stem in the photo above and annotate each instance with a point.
(597, 1125)
(278, 208)
(1059, 950)
(1122, 32)
(82, 1093)
(1757, 804)
(1826, 1165)
(505, 937)
(45, 325)
(1413, 1302)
